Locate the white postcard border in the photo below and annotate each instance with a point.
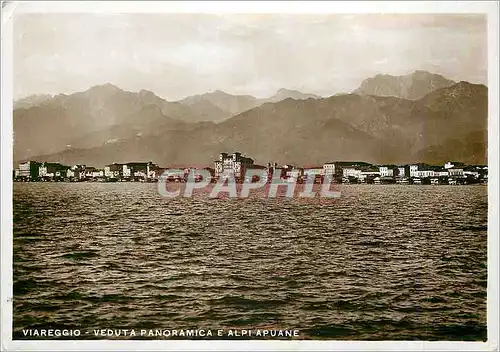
(11, 8)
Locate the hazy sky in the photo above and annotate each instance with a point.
(176, 55)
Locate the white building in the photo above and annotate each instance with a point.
(474, 174)
(235, 164)
(28, 169)
(137, 169)
(455, 172)
(313, 170)
(351, 172)
(75, 171)
(414, 171)
(425, 173)
(97, 173)
(448, 165)
(52, 170)
(386, 171)
(329, 169)
(401, 171)
(113, 170)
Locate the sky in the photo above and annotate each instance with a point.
(178, 55)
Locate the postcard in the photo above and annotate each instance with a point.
(249, 175)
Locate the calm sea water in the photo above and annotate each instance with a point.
(383, 262)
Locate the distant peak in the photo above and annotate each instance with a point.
(106, 86)
(426, 74)
(144, 92)
(110, 86)
(422, 72)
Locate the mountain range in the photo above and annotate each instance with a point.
(421, 117)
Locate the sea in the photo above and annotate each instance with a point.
(381, 262)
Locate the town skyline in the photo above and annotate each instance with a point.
(241, 166)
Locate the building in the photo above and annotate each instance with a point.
(425, 173)
(114, 171)
(413, 170)
(351, 172)
(97, 174)
(454, 172)
(453, 164)
(387, 171)
(89, 172)
(28, 170)
(52, 170)
(155, 172)
(75, 171)
(295, 172)
(441, 173)
(329, 168)
(401, 171)
(337, 167)
(317, 170)
(138, 169)
(235, 164)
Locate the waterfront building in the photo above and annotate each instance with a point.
(453, 164)
(97, 174)
(474, 171)
(425, 173)
(401, 171)
(235, 164)
(89, 173)
(337, 167)
(71, 174)
(441, 173)
(329, 168)
(155, 172)
(74, 172)
(454, 172)
(317, 170)
(52, 170)
(28, 170)
(113, 171)
(413, 170)
(138, 169)
(473, 174)
(388, 171)
(348, 172)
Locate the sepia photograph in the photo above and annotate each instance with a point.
(266, 175)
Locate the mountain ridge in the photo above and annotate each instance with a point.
(363, 127)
